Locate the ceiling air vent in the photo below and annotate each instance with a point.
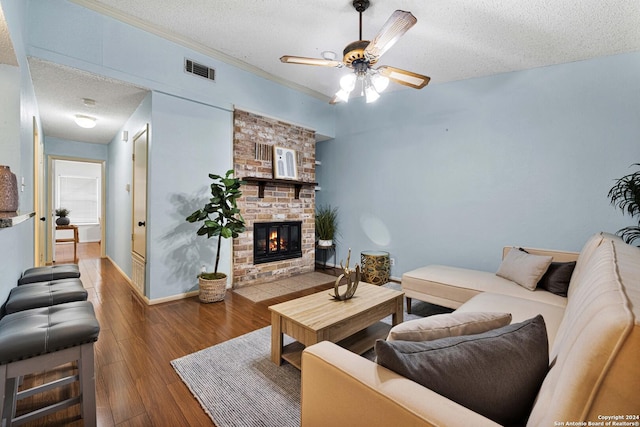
(192, 67)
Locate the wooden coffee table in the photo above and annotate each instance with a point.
(353, 324)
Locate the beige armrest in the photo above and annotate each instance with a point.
(558, 256)
(342, 388)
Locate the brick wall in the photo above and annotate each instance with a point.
(256, 133)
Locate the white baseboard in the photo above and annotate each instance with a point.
(144, 298)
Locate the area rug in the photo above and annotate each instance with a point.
(237, 384)
(265, 291)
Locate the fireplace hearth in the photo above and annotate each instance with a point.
(276, 241)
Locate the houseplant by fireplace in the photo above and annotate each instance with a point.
(220, 217)
(326, 225)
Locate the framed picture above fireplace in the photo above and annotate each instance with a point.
(285, 163)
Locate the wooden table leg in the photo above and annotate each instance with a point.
(276, 338)
(398, 316)
(75, 245)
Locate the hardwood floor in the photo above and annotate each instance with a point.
(135, 383)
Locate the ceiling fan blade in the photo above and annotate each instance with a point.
(397, 24)
(310, 61)
(407, 78)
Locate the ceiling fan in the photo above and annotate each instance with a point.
(362, 54)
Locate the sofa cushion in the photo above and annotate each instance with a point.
(448, 325)
(464, 368)
(523, 268)
(594, 360)
(587, 251)
(521, 309)
(557, 278)
(455, 286)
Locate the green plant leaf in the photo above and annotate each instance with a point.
(220, 216)
(625, 195)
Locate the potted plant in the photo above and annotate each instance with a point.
(625, 194)
(219, 217)
(62, 214)
(326, 225)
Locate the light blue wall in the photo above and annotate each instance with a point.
(16, 243)
(119, 176)
(452, 173)
(10, 117)
(189, 141)
(69, 34)
(448, 174)
(81, 150)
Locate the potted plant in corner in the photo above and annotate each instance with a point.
(625, 195)
(219, 217)
(326, 225)
(62, 214)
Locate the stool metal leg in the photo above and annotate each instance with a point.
(10, 391)
(11, 372)
(87, 384)
(3, 391)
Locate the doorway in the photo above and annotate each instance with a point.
(139, 211)
(77, 185)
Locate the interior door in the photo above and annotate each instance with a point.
(139, 227)
(39, 231)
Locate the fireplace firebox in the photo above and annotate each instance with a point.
(275, 241)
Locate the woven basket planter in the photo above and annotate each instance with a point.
(212, 290)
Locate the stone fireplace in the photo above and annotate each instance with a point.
(279, 202)
(276, 241)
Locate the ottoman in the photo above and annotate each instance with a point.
(42, 339)
(45, 294)
(50, 272)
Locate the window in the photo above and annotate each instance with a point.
(80, 196)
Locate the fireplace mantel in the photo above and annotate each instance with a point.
(262, 183)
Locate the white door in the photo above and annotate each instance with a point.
(39, 232)
(139, 216)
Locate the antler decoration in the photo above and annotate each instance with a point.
(352, 283)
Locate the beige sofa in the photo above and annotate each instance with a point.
(594, 345)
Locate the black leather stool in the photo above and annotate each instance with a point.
(50, 272)
(44, 294)
(42, 339)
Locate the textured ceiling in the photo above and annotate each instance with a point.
(60, 91)
(7, 54)
(452, 40)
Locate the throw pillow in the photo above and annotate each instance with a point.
(524, 268)
(448, 325)
(496, 374)
(558, 277)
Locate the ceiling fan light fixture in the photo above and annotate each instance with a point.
(361, 55)
(348, 82)
(86, 122)
(343, 95)
(370, 93)
(379, 82)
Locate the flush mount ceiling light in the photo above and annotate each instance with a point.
(362, 54)
(86, 122)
